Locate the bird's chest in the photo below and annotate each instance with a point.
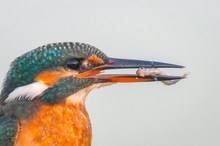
(56, 125)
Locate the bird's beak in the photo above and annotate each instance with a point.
(114, 63)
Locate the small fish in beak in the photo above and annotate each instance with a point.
(142, 72)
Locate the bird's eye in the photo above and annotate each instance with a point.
(73, 63)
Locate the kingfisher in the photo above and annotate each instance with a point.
(42, 102)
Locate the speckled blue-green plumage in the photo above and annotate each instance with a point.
(8, 129)
(25, 68)
(65, 88)
(23, 72)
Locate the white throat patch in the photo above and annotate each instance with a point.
(80, 96)
(29, 91)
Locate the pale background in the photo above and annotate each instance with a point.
(144, 114)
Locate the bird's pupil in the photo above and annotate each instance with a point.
(73, 63)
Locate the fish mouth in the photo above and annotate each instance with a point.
(97, 73)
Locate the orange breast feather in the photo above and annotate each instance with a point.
(57, 125)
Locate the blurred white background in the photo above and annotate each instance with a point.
(144, 114)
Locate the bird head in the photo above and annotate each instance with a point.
(55, 71)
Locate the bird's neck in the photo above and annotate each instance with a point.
(67, 123)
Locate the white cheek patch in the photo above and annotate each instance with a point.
(29, 91)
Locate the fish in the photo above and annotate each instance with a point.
(142, 72)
